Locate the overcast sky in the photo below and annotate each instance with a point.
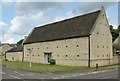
(19, 18)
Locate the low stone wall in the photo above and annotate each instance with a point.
(116, 59)
(104, 62)
(100, 62)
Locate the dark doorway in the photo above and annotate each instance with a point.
(47, 57)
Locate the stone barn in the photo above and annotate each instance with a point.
(84, 40)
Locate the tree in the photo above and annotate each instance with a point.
(114, 32)
(20, 42)
(111, 27)
(118, 28)
(116, 46)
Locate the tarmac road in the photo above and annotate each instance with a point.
(12, 73)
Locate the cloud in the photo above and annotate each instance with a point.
(4, 34)
(112, 22)
(35, 7)
(35, 14)
(3, 28)
(11, 41)
(60, 0)
(90, 6)
(113, 17)
(67, 15)
(3, 24)
(7, 38)
(94, 0)
(35, 0)
(23, 24)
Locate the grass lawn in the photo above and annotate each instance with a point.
(42, 67)
(51, 68)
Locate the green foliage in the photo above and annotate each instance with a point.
(118, 28)
(114, 32)
(116, 46)
(6, 59)
(52, 61)
(20, 42)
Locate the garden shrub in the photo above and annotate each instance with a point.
(52, 61)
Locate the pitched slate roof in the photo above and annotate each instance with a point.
(69, 28)
(19, 48)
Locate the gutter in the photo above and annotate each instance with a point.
(89, 51)
(23, 54)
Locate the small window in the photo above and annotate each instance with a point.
(27, 55)
(77, 45)
(103, 55)
(32, 55)
(107, 46)
(66, 46)
(100, 23)
(103, 46)
(77, 55)
(57, 46)
(38, 55)
(107, 55)
(38, 48)
(103, 16)
(97, 55)
(12, 58)
(66, 55)
(103, 34)
(97, 46)
(32, 48)
(57, 55)
(47, 47)
(97, 33)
